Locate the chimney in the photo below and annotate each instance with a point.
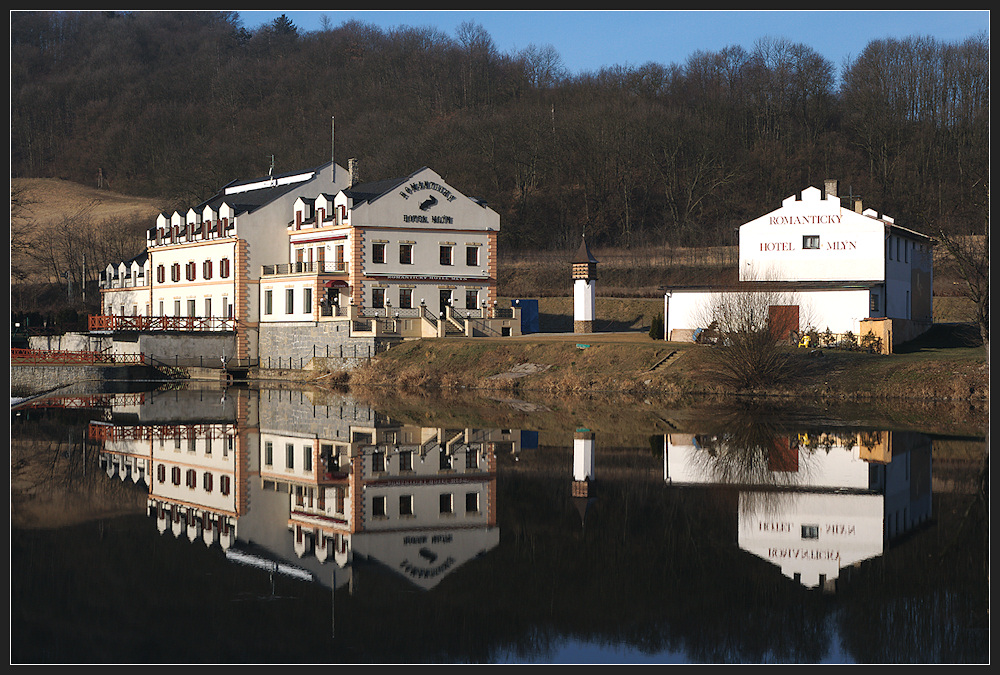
(352, 170)
(857, 205)
(831, 187)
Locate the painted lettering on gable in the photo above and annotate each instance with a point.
(805, 220)
(420, 185)
(768, 246)
(841, 246)
(437, 220)
(772, 246)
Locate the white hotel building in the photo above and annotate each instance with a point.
(827, 265)
(316, 253)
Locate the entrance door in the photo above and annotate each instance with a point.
(783, 321)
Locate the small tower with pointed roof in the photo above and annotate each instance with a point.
(584, 296)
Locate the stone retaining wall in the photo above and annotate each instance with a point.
(295, 346)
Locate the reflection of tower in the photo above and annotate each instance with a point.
(584, 277)
(583, 470)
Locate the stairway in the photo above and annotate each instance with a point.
(665, 361)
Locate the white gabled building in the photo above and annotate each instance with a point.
(827, 265)
(385, 246)
(126, 287)
(315, 260)
(408, 257)
(203, 266)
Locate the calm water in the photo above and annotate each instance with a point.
(256, 525)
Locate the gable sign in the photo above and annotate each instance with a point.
(427, 202)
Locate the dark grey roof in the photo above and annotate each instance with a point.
(583, 254)
(249, 201)
(370, 191)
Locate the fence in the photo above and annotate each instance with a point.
(200, 361)
(75, 358)
(116, 322)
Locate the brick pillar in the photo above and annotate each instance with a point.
(356, 262)
(241, 301)
(491, 267)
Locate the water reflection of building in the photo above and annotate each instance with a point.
(583, 487)
(192, 471)
(813, 505)
(293, 485)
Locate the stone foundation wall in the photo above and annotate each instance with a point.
(295, 346)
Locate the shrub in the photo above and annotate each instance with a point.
(656, 327)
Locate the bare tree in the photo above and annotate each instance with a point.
(21, 229)
(750, 337)
(970, 259)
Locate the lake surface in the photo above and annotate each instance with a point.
(256, 525)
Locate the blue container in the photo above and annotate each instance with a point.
(529, 315)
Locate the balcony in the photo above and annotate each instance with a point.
(318, 267)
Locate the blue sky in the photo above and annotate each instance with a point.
(588, 40)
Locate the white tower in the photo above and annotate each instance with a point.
(584, 297)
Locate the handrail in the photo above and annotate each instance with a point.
(114, 322)
(315, 267)
(68, 357)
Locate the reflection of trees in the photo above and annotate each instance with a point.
(748, 450)
(932, 593)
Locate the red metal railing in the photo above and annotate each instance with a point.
(104, 322)
(74, 358)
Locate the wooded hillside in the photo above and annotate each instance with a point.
(173, 105)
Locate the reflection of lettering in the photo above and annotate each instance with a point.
(428, 555)
(802, 554)
(428, 203)
(840, 530)
(775, 527)
(426, 572)
(417, 539)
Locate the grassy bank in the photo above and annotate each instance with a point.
(938, 367)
